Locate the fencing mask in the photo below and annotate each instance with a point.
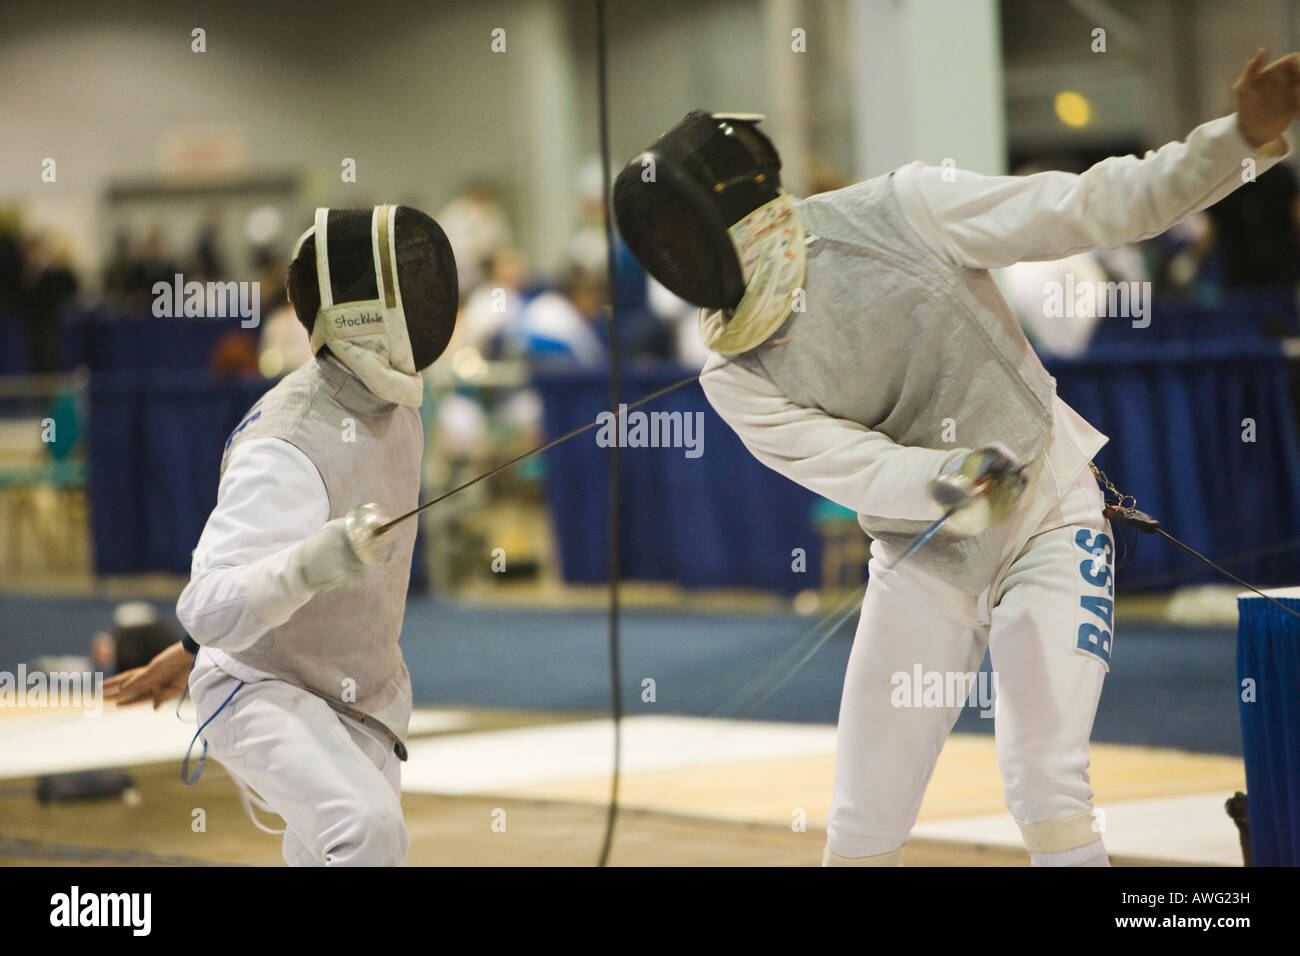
(379, 288)
(703, 211)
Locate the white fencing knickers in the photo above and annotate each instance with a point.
(1053, 595)
(336, 783)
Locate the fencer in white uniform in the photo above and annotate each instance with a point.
(862, 350)
(295, 602)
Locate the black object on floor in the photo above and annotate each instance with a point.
(1236, 807)
(82, 785)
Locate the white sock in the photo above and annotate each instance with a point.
(1091, 854)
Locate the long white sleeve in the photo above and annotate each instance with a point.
(833, 457)
(271, 497)
(981, 222)
(985, 222)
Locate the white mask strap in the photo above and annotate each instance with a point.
(323, 258)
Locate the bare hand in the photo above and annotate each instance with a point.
(1268, 97)
(164, 678)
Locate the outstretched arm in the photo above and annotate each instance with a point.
(987, 222)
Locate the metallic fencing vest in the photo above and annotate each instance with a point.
(898, 340)
(342, 644)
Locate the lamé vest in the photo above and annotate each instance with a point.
(342, 645)
(895, 338)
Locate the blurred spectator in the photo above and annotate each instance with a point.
(1256, 231)
(138, 635)
(121, 259)
(50, 287)
(11, 261)
(641, 331)
(285, 344)
(477, 227)
(235, 355)
(1178, 255)
(587, 247)
(557, 326)
(490, 317)
(263, 229)
(208, 264)
(683, 319)
(1024, 286)
(269, 271)
(150, 264)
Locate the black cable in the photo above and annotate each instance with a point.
(1246, 584)
(1177, 574)
(1124, 554)
(615, 457)
(539, 449)
(1144, 523)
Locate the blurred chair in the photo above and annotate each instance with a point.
(43, 475)
(845, 549)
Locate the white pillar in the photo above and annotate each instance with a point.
(547, 124)
(788, 121)
(927, 84)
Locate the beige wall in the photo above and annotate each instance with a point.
(412, 91)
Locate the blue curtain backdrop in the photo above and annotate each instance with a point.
(1172, 406)
(1268, 655)
(155, 452)
(1174, 420)
(719, 520)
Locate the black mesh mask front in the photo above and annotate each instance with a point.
(426, 275)
(707, 173)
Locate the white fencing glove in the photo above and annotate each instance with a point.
(984, 486)
(336, 554)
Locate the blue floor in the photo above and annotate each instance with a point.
(1168, 687)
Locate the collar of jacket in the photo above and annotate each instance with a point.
(348, 390)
